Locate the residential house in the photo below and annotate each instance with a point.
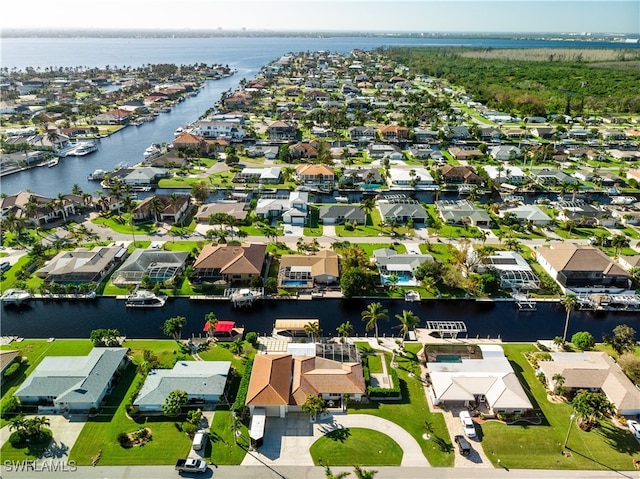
(231, 263)
(187, 140)
(505, 153)
(584, 214)
(73, 383)
(423, 135)
(402, 211)
(297, 271)
(625, 215)
(629, 262)
(269, 175)
(527, 214)
(544, 132)
(359, 176)
(203, 381)
(146, 176)
(281, 383)
(578, 267)
(37, 209)
(394, 133)
(293, 208)
(462, 212)
(304, 150)
(416, 178)
(114, 117)
(389, 262)
(381, 150)
(270, 152)
(155, 264)
(168, 209)
(460, 175)
(594, 371)
(509, 174)
(488, 381)
(554, 177)
(7, 358)
(512, 268)
(342, 214)
(362, 134)
(316, 175)
(81, 265)
(237, 209)
(279, 130)
(422, 152)
(465, 153)
(221, 128)
(460, 132)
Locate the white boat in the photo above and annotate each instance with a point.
(15, 296)
(152, 152)
(96, 175)
(623, 200)
(50, 163)
(82, 149)
(245, 296)
(145, 299)
(342, 199)
(412, 296)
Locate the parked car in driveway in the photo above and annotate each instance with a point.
(634, 427)
(5, 266)
(467, 424)
(463, 445)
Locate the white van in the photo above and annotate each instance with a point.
(200, 440)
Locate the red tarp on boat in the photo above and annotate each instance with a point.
(221, 327)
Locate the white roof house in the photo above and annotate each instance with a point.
(73, 383)
(401, 178)
(508, 174)
(489, 379)
(505, 152)
(203, 381)
(530, 213)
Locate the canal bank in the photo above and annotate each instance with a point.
(76, 319)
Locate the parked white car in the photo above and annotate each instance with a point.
(634, 427)
(467, 424)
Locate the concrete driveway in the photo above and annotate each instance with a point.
(287, 440)
(65, 433)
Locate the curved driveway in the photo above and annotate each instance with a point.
(287, 440)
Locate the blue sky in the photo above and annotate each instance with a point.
(609, 16)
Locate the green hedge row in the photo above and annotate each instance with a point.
(392, 392)
(241, 397)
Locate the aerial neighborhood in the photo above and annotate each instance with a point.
(364, 178)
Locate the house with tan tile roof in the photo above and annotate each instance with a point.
(317, 175)
(231, 263)
(188, 140)
(595, 371)
(281, 383)
(576, 267)
(298, 271)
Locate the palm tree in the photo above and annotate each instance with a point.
(374, 313)
(558, 380)
(330, 475)
(619, 242)
(408, 321)
(569, 301)
(345, 330)
(155, 207)
(363, 473)
(368, 205)
(211, 320)
(60, 203)
(312, 328)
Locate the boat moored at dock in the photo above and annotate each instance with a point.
(145, 299)
(15, 296)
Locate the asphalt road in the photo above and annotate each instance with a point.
(302, 472)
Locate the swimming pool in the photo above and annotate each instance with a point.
(402, 281)
(448, 358)
(294, 283)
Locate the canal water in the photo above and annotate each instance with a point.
(76, 319)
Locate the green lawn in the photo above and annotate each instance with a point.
(631, 232)
(121, 225)
(581, 232)
(539, 447)
(412, 411)
(375, 363)
(349, 446)
(222, 448)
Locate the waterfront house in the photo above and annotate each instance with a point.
(512, 268)
(270, 152)
(81, 265)
(593, 371)
(293, 208)
(279, 130)
(555, 177)
(394, 133)
(308, 149)
(505, 174)
(455, 175)
(145, 176)
(486, 382)
(342, 214)
(316, 175)
(236, 209)
(362, 133)
(415, 178)
(189, 141)
(156, 264)
(37, 209)
(360, 175)
(230, 263)
(227, 128)
(390, 262)
(168, 209)
(531, 214)
(402, 211)
(584, 214)
(383, 150)
(465, 153)
(462, 212)
(505, 153)
(298, 271)
(281, 383)
(203, 381)
(269, 175)
(423, 135)
(73, 383)
(581, 267)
